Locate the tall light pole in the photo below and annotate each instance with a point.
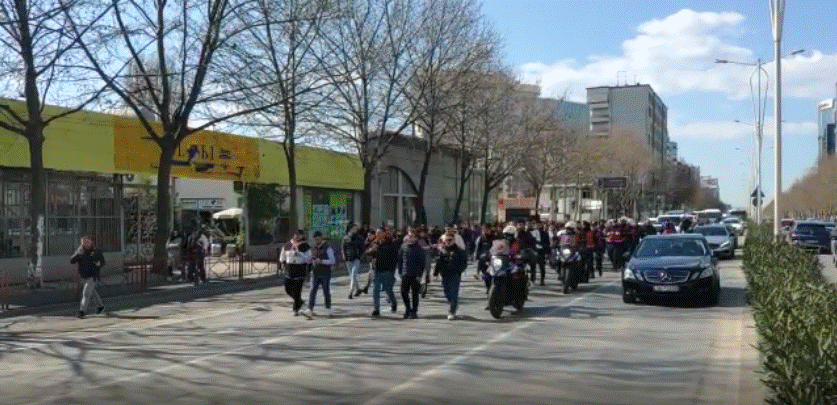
(777, 17)
(760, 107)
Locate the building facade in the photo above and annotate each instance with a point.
(826, 118)
(671, 152)
(710, 184)
(636, 109)
(396, 182)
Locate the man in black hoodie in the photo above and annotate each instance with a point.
(90, 261)
(411, 262)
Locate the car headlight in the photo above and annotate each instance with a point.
(707, 272)
(630, 274)
(725, 244)
(566, 252)
(497, 263)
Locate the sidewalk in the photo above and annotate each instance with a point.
(829, 271)
(63, 300)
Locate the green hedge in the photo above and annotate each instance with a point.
(795, 310)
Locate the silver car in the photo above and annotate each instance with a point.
(720, 240)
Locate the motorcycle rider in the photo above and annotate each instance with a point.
(587, 242)
(528, 247)
(570, 240)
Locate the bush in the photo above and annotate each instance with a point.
(795, 310)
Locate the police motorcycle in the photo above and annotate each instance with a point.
(509, 281)
(568, 262)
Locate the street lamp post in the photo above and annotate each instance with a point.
(759, 124)
(777, 14)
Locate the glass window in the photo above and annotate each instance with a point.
(670, 247)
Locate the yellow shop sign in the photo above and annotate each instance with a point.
(204, 154)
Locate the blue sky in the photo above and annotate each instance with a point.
(568, 45)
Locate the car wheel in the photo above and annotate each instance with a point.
(714, 296)
(628, 298)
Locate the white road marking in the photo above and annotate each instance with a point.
(432, 372)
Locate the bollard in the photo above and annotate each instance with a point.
(241, 266)
(4, 291)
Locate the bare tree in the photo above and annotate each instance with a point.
(364, 54)
(452, 46)
(498, 150)
(37, 62)
(173, 47)
(549, 142)
(274, 64)
(620, 154)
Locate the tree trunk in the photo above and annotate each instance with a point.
(484, 209)
(421, 212)
(160, 258)
(538, 191)
(464, 176)
(293, 209)
(366, 197)
(37, 207)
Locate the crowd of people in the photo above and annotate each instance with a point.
(416, 254)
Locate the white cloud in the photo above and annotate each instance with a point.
(677, 54)
(705, 130)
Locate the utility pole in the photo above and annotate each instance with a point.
(777, 12)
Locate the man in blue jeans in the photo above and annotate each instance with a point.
(385, 254)
(322, 259)
(451, 264)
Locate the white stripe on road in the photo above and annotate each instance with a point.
(198, 360)
(432, 372)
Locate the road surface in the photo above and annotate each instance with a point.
(584, 348)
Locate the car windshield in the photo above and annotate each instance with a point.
(713, 231)
(670, 247)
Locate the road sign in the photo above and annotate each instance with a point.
(613, 182)
(756, 192)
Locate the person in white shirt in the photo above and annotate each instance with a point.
(296, 255)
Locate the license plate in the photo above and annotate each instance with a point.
(666, 288)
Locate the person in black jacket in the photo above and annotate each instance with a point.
(385, 252)
(451, 263)
(353, 247)
(90, 261)
(411, 262)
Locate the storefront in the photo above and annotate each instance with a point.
(101, 173)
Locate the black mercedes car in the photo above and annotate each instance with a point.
(677, 265)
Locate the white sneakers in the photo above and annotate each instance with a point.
(451, 317)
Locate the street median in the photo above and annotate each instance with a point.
(795, 310)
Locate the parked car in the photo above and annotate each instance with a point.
(735, 223)
(811, 235)
(786, 225)
(677, 265)
(720, 239)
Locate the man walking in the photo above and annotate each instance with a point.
(296, 255)
(542, 247)
(197, 246)
(352, 253)
(322, 259)
(385, 254)
(90, 261)
(451, 263)
(411, 262)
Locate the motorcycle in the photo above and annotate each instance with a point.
(571, 268)
(509, 284)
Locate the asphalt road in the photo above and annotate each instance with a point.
(584, 348)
